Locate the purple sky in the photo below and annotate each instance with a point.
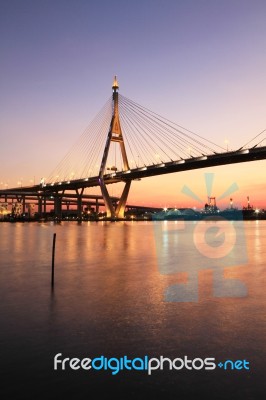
(199, 63)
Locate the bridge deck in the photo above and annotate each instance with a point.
(205, 161)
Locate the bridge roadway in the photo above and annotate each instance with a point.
(68, 199)
(205, 161)
(216, 159)
(59, 193)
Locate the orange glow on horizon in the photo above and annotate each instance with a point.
(166, 190)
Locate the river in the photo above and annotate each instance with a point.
(114, 297)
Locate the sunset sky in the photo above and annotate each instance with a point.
(199, 63)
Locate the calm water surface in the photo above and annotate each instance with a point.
(108, 300)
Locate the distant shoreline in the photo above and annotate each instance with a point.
(230, 216)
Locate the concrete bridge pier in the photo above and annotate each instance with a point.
(58, 206)
(40, 206)
(23, 205)
(44, 206)
(79, 203)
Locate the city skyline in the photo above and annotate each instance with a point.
(199, 64)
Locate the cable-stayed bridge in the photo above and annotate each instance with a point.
(127, 142)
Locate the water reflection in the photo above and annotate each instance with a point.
(109, 297)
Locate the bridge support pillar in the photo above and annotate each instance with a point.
(120, 210)
(79, 207)
(58, 207)
(114, 135)
(79, 202)
(110, 210)
(44, 206)
(23, 204)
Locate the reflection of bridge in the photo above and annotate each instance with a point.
(155, 146)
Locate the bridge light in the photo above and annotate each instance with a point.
(246, 151)
(197, 159)
(42, 182)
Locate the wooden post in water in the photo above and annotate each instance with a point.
(53, 254)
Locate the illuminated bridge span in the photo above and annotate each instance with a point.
(127, 142)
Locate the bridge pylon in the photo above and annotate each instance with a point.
(114, 135)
